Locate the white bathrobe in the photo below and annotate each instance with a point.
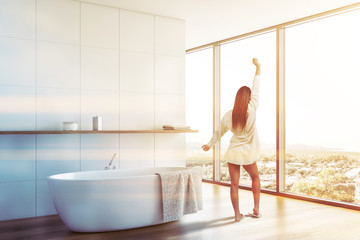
(244, 146)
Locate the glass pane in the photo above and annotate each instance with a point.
(322, 108)
(199, 110)
(237, 70)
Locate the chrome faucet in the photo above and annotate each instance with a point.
(111, 166)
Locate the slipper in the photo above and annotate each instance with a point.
(243, 216)
(254, 215)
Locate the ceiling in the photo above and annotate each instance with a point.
(212, 20)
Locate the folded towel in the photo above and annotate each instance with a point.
(176, 127)
(181, 193)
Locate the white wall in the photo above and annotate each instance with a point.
(211, 21)
(62, 60)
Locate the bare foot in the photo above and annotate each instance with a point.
(256, 211)
(239, 217)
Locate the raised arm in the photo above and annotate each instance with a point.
(254, 100)
(257, 64)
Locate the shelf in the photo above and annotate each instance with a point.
(96, 132)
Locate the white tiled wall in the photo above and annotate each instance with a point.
(58, 21)
(17, 54)
(169, 72)
(21, 14)
(169, 36)
(57, 154)
(100, 103)
(169, 109)
(97, 150)
(133, 80)
(65, 60)
(99, 26)
(99, 69)
(169, 150)
(17, 199)
(55, 106)
(17, 158)
(136, 111)
(44, 205)
(17, 108)
(136, 150)
(58, 65)
(136, 32)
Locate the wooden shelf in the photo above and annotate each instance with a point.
(96, 132)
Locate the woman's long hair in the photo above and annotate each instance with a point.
(239, 114)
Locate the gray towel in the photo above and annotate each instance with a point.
(181, 193)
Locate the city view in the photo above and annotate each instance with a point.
(317, 173)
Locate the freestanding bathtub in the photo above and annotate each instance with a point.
(108, 200)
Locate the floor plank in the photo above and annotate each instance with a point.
(283, 218)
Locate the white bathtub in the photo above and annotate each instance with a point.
(108, 200)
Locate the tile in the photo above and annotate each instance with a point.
(97, 151)
(14, 26)
(17, 200)
(99, 69)
(59, 21)
(136, 150)
(136, 111)
(58, 65)
(169, 74)
(18, 108)
(17, 54)
(55, 106)
(169, 110)
(170, 150)
(99, 26)
(100, 103)
(57, 153)
(17, 158)
(136, 31)
(169, 36)
(136, 72)
(44, 203)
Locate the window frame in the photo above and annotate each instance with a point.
(280, 103)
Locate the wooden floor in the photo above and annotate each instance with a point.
(283, 218)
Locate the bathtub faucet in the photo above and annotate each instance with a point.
(111, 166)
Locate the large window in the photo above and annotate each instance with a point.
(310, 74)
(237, 70)
(199, 109)
(322, 108)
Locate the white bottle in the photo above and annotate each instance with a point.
(97, 123)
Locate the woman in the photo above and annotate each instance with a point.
(244, 144)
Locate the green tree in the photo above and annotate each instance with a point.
(329, 185)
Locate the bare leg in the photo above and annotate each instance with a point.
(252, 169)
(234, 171)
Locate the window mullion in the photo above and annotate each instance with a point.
(216, 110)
(280, 110)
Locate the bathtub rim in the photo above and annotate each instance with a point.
(57, 177)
